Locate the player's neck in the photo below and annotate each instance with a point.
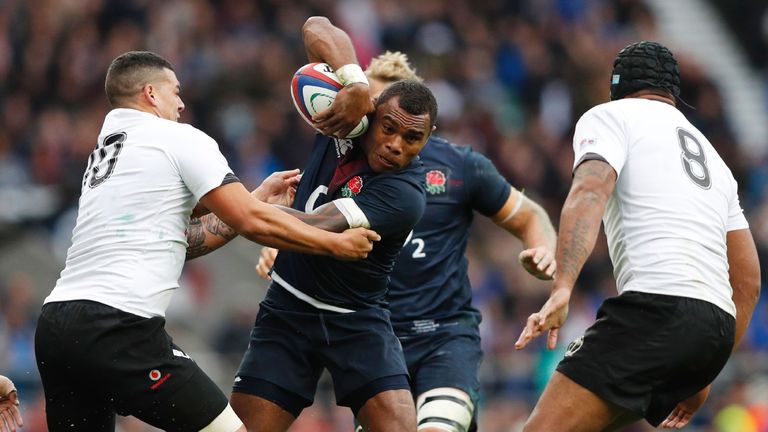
(645, 94)
(138, 107)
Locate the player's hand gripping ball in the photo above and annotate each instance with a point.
(313, 88)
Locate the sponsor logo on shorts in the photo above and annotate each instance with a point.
(180, 353)
(158, 378)
(155, 374)
(574, 346)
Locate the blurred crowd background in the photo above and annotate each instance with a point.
(511, 78)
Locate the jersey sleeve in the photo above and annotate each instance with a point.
(736, 219)
(599, 132)
(487, 189)
(391, 204)
(201, 165)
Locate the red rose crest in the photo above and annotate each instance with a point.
(435, 182)
(353, 187)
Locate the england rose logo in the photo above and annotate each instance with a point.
(435, 182)
(353, 187)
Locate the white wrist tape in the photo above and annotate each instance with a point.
(350, 74)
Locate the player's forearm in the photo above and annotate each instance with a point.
(580, 219)
(274, 228)
(326, 217)
(206, 234)
(327, 43)
(744, 272)
(537, 229)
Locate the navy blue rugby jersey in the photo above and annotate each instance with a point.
(392, 203)
(429, 286)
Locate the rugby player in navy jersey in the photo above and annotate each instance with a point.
(330, 314)
(429, 292)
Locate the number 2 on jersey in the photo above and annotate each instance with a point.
(694, 162)
(102, 162)
(419, 252)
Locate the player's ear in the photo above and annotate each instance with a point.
(148, 94)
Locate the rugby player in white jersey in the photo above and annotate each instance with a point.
(684, 259)
(100, 344)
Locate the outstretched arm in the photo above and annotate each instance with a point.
(327, 217)
(206, 232)
(528, 221)
(327, 43)
(264, 224)
(593, 184)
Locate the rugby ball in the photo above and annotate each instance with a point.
(313, 88)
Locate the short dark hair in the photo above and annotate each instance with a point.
(644, 65)
(415, 98)
(129, 72)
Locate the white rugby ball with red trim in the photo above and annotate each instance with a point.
(313, 88)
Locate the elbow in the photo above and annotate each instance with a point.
(748, 288)
(315, 24)
(755, 285)
(584, 194)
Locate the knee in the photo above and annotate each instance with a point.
(392, 410)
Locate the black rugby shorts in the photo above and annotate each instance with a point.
(96, 361)
(648, 352)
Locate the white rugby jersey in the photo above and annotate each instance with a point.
(142, 182)
(674, 201)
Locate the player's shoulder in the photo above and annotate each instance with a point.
(442, 151)
(190, 132)
(629, 109)
(611, 109)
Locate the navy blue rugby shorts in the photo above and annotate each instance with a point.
(443, 359)
(292, 342)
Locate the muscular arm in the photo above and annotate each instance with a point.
(744, 272)
(206, 234)
(592, 186)
(529, 222)
(327, 43)
(326, 217)
(264, 224)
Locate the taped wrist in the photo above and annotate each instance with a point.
(351, 74)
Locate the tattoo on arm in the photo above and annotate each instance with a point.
(326, 217)
(206, 234)
(593, 184)
(196, 239)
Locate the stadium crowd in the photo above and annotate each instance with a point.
(510, 77)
